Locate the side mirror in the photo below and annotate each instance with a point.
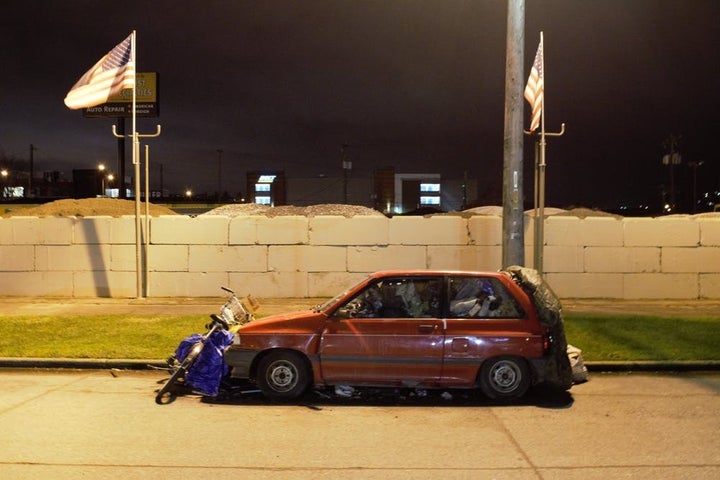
(343, 312)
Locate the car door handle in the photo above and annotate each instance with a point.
(427, 328)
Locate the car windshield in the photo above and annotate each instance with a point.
(325, 305)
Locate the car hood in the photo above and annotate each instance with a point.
(302, 321)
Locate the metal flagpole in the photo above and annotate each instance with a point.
(540, 166)
(540, 212)
(136, 164)
(147, 219)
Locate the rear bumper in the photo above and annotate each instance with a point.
(551, 371)
(240, 360)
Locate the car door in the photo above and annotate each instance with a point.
(484, 320)
(388, 334)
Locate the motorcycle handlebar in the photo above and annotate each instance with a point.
(220, 320)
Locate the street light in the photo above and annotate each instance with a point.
(101, 169)
(109, 177)
(4, 174)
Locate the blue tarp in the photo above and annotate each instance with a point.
(209, 368)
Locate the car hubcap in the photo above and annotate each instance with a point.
(282, 376)
(505, 376)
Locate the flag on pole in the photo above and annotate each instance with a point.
(534, 90)
(109, 76)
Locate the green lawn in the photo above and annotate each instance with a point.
(604, 337)
(601, 337)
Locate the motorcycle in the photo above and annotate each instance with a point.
(197, 364)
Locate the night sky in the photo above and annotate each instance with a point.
(415, 84)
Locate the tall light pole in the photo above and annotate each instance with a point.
(513, 251)
(101, 169)
(3, 175)
(346, 167)
(219, 152)
(33, 149)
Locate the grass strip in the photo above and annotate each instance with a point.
(100, 336)
(618, 337)
(602, 337)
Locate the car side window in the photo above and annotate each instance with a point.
(481, 297)
(401, 297)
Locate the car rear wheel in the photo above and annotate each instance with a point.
(283, 375)
(504, 377)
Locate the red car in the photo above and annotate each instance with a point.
(497, 331)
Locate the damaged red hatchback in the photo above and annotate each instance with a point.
(500, 332)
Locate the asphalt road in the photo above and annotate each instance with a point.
(65, 424)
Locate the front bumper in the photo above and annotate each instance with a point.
(240, 360)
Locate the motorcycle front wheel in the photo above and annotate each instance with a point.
(166, 394)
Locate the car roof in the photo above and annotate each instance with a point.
(419, 272)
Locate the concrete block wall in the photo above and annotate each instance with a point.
(296, 256)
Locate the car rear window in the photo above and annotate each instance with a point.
(480, 297)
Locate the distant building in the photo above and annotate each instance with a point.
(388, 192)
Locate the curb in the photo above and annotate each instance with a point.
(654, 366)
(82, 363)
(150, 364)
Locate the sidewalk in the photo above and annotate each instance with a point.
(10, 306)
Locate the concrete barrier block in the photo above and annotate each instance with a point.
(471, 257)
(282, 230)
(172, 257)
(169, 258)
(700, 259)
(661, 285)
(485, 230)
(243, 230)
(17, 258)
(370, 259)
(221, 258)
(433, 230)
(105, 284)
(304, 258)
(92, 230)
(599, 232)
(72, 257)
(709, 231)
(710, 285)
(42, 231)
(329, 284)
(622, 259)
(188, 284)
(339, 230)
(37, 284)
(529, 231)
(674, 231)
(587, 285)
(271, 284)
(6, 237)
(567, 259)
(122, 230)
(561, 230)
(183, 230)
(123, 258)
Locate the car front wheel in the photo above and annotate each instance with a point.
(504, 377)
(283, 375)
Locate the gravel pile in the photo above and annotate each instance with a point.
(238, 209)
(88, 207)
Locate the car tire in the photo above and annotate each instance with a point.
(283, 375)
(504, 377)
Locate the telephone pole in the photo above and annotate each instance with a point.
(32, 169)
(513, 246)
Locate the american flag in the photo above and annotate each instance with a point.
(535, 88)
(112, 74)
